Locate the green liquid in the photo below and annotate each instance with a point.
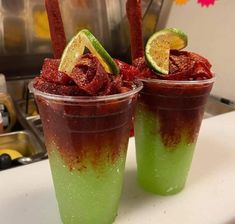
(161, 170)
(88, 196)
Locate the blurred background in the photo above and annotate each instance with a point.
(25, 36)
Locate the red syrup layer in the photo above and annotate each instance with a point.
(82, 132)
(85, 130)
(178, 108)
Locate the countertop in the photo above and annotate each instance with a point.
(27, 196)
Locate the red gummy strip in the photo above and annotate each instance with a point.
(89, 75)
(128, 72)
(133, 10)
(58, 38)
(183, 66)
(50, 72)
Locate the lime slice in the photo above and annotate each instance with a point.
(75, 49)
(157, 50)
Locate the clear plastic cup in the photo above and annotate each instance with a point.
(86, 139)
(167, 123)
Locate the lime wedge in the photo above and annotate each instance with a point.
(75, 49)
(157, 50)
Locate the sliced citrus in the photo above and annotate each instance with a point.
(157, 50)
(75, 49)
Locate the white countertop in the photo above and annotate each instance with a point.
(27, 196)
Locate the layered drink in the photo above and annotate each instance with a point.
(170, 107)
(169, 114)
(86, 116)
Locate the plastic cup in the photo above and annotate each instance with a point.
(86, 139)
(167, 123)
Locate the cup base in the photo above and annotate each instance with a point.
(65, 221)
(87, 196)
(157, 189)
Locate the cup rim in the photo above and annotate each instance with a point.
(85, 99)
(178, 82)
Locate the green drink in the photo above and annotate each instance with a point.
(90, 197)
(86, 140)
(168, 119)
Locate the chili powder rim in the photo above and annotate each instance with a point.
(138, 86)
(178, 82)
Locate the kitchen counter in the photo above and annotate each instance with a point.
(27, 196)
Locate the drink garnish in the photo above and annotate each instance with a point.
(157, 50)
(57, 32)
(134, 15)
(75, 49)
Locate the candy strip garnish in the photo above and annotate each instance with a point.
(133, 9)
(58, 38)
